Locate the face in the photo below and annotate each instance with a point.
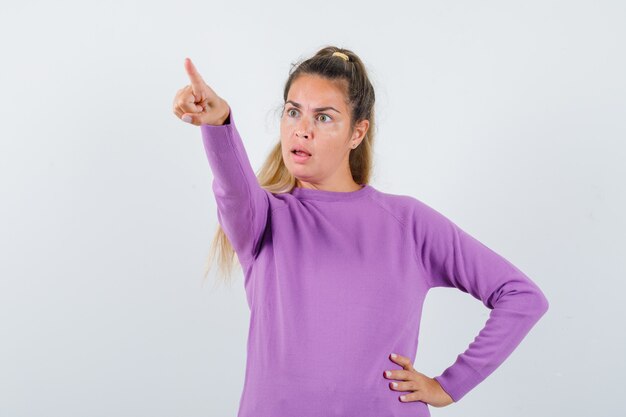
(316, 118)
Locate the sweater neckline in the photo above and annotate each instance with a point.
(324, 195)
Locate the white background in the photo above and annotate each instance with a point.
(507, 117)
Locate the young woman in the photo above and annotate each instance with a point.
(336, 271)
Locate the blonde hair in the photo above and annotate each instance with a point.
(274, 175)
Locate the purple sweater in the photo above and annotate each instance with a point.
(336, 281)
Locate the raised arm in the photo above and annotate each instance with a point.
(453, 258)
(242, 204)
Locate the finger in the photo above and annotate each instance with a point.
(405, 362)
(399, 374)
(197, 83)
(191, 118)
(180, 111)
(413, 396)
(408, 386)
(189, 104)
(186, 102)
(200, 89)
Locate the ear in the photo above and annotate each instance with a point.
(360, 129)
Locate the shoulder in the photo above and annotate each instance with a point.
(406, 208)
(413, 212)
(402, 203)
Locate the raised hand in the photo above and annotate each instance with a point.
(419, 386)
(197, 103)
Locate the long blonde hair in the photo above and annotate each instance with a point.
(274, 175)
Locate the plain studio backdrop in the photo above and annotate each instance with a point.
(507, 117)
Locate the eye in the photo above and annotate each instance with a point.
(288, 112)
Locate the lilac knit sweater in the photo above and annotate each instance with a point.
(336, 282)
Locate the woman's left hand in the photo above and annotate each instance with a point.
(421, 387)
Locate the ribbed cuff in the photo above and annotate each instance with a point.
(458, 379)
(217, 138)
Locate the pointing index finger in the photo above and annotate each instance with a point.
(197, 82)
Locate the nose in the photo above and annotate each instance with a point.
(303, 129)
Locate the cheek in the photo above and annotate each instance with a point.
(330, 155)
(287, 124)
(284, 150)
(285, 134)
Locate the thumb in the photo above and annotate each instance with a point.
(190, 118)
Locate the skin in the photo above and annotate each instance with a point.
(197, 103)
(325, 134)
(419, 386)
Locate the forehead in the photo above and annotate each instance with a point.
(315, 91)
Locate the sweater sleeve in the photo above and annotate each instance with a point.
(242, 204)
(453, 258)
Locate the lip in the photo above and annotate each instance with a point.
(300, 148)
(299, 158)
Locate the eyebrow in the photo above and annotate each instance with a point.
(298, 105)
